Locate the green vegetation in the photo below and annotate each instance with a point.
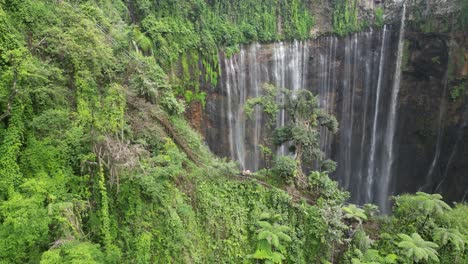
(269, 239)
(429, 234)
(457, 91)
(301, 131)
(97, 164)
(379, 17)
(184, 35)
(346, 17)
(354, 213)
(463, 15)
(416, 249)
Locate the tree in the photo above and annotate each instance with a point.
(420, 212)
(305, 118)
(431, 204)
(417, 249)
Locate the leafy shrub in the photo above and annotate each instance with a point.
(379, 19)
(457, 92)
(345, 17)
(286, 168)
(326, 189)
(74, 252)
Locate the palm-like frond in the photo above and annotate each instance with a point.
(452, 235)
(269, 238)
(432, 204)
(354, 212)
(373, 256)
(264, 224)
(417, 249)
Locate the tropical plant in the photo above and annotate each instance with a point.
(354, 213)
(270, 234)
(324, 188)
(373, 256)
(371, 209)
(379, 16)
(415, 248)
(286, 168)
(431, 204)
(360, 240)
(451, 236)
(420, 212)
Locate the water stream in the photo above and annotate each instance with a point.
(389, 145)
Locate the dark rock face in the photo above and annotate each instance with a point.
(433, 125)
(353, 77)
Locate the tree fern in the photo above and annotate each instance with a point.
(353, 212)
(417, 249)
(431, 204)
(445, 236)
(372, 256)
(269, 238)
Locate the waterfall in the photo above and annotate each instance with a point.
(305, 64)
(236, 96)
(290, 70)
(390, 132)
(366, 94)
(296, 66)
(279, 81)
(239, 124)
(353, 76)
(346, 117)
(245, 73)
(229, 69)
(372, 156)
(325, 65)
(350, 84)
(255, 83)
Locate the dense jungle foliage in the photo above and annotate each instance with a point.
(98, 165)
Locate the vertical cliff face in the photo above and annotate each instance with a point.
(433, 128)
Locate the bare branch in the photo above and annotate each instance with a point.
(40, 42)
